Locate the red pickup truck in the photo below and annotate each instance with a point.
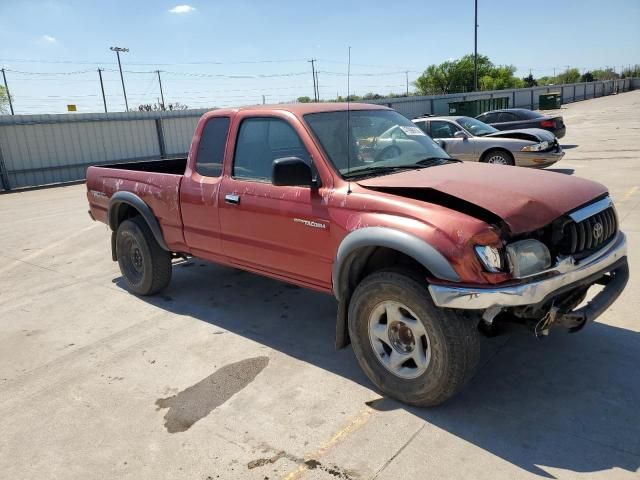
(425, 254)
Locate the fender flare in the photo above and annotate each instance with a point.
(131, 199)
(403, 242)
(372, 237)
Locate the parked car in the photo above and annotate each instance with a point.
(472, 140)
(424, 254)
(514, 118)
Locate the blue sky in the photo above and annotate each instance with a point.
(213, 52)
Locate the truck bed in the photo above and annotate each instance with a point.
(156, 182)
(174, 166)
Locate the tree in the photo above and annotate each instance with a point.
(160, 107)
(4, 100)
(304, 99)
(530, 81)
(500, 78)
(605, 74)
(455, 76)
(570, 75)
(631, 71)
(587, 77)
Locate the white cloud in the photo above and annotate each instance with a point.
(48, 39)
(182, 9)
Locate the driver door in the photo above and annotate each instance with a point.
(460, 148)
(279, 230)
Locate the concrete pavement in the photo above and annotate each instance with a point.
(233, 376)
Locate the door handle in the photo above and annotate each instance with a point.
(233, 199)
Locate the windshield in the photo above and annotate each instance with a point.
(378, 141)
(476, 127)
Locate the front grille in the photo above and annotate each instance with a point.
(580, 239)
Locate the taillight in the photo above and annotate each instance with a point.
(547, 124)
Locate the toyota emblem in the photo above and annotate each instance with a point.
(598, 230)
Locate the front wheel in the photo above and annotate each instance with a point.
(409, 348)
(498, 157)
(145, 266)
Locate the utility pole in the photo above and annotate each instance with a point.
(313, 74)
(475, 48)
(317, 86)
(161, 93)
(406, 76)
(263, 100)
(6, 87)
(124, 91)
(104, 99)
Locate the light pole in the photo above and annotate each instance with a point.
(124, 91)
(475, 48)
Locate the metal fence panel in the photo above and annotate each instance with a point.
(44, 149)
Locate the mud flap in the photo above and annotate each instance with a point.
(342, 325)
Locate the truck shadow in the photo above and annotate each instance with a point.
(567, 402)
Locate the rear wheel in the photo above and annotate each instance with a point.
(409, 348)
(145, 266)
(498, 157)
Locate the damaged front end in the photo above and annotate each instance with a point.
(589, 250)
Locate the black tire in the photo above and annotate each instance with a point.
(454, 340)
(497, 156)
(145, 266)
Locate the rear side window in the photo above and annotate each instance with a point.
(507, 117)
(211, 148)
(423, 126)
(260, 142)
(489, 118)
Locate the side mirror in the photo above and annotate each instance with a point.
(291, 172)
(460, 134)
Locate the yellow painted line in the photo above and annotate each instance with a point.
(631, 191)
(355, 424)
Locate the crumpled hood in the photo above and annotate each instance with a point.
(536, 134)
(525, 199)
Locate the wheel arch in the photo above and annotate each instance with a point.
(494, 148)
(371, 248)
(123, 205)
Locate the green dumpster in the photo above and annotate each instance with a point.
(550, 101)
(473, 108)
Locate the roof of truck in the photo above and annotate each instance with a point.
(304, 108)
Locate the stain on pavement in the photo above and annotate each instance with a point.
(197, 401)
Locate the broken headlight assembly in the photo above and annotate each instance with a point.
(522, 258)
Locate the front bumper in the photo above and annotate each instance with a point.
(611, 258)
(537, 159)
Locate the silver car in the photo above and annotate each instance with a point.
(469, 139)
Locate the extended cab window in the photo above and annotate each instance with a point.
(441, 129)
(211, 147)
(260, 142)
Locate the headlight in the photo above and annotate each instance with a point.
(490, 258)
(527, 257)
(536, 147)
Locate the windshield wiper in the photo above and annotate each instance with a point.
(382, 170)
(433, 161)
